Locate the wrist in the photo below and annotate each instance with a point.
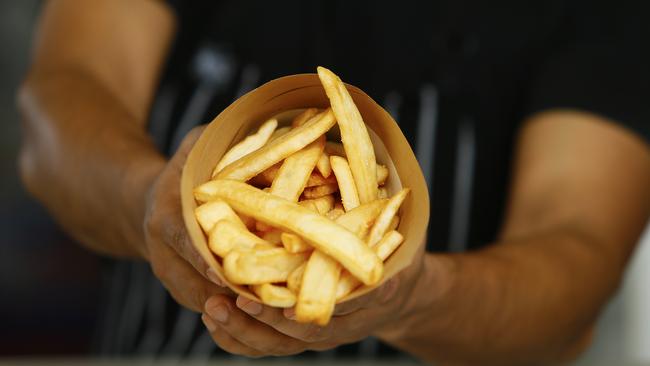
(139, 178)
(430, 291)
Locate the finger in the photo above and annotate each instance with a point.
(182, 281)
(226, 342)
(249, 331)
(276, 319)
(378, 296)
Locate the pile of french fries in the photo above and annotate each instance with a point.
(300, 220)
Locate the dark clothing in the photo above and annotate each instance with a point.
(459, 77)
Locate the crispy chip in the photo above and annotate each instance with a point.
(345, 181)
(247, 145)
(272, 236)
(295, 278)
(285, 145)
(273, 295)
(303, 117)
(323, 165)
(382, 193)
(294, 244)
(386, 216)
(318, 289)
(382, 174)
(257, 267)
(354, 135)
(295, 171)
(209, 213)
(384, 248)
(320, 191)
(321, 205)
(279, 132)
(226, 236)
(323, 234)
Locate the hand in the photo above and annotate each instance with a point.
(173, 258)
(248, 328)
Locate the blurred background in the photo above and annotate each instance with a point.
(51, 289)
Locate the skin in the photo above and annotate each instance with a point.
(577, 205)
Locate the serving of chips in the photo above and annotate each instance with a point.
(298, 217)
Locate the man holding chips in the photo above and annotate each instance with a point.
(530, 123)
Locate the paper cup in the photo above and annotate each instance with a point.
(283, 98)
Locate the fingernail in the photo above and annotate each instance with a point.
(219, 313)
(290, 313)
(208, 323)
(212, 276)
(249, 306)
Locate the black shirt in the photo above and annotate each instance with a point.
(458, 76)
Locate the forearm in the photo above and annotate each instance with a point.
(526, 299)
(87, 159)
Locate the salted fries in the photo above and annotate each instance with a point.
(301, 220)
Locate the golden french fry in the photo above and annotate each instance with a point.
(382, 174)
(295, 278)
(248, 145)
(260, 226)
(382, 193)
(266, 178)
(387, 245)
(318, 289)
(226, 236)
(257, 267)
(384, 248)
(323, 234)
(360, 219)
(273, 295)
(385, 217)
(354, 135)
(334, 213)
(322, 204)
(295, 171)
(320, 191)
(279, 132)
(209, 213)
(285, 145)
(273, 237)
(334, 148)
(303, 117)
(345, 181)
(294, 244)
(323, 165)
(394, 223)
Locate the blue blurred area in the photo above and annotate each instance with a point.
(49, 286)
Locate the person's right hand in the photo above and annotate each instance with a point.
(169, 249)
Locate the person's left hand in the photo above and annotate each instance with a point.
(245, 327)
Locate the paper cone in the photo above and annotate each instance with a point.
(283, 98)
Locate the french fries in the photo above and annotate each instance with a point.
(320, 215)
(323, 165)
(248, 145)
(285, 145)
(345, 181)
(384, 248)
(209, 213)
(294, 244)
(226, 236)
(354, 135)
(295, 171)
(257, 267)
(273, 295)
(322, 205)
(385, 217)
(322, 233)
(320, 191)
